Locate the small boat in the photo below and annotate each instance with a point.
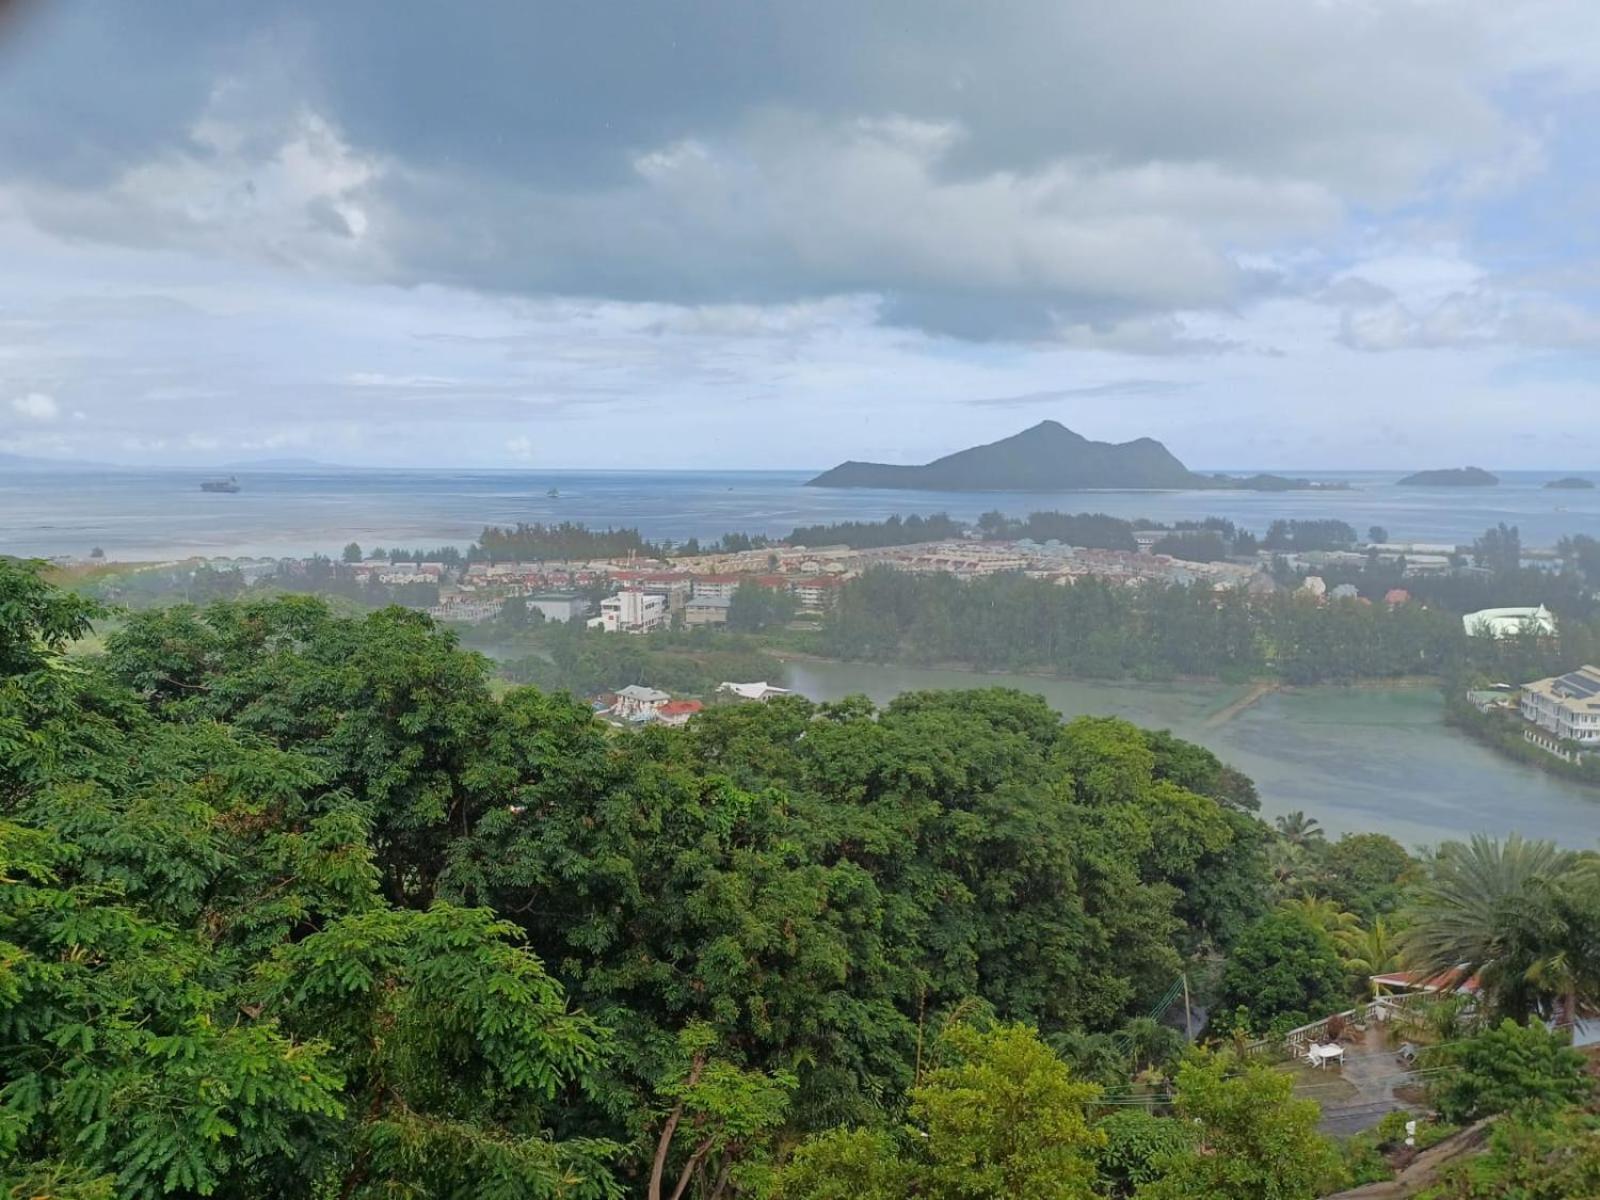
(230, 484)
(554, 493)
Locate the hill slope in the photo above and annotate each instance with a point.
(1046, 458)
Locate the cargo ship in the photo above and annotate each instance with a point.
(230, 484)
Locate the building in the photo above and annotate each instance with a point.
(1566, 706)
(631, 611)
(678, 712)
(636, 703)
(559, 606)
(711, 587)
(752, 691)
(1508, 622)
(1345, 591)
(818, 592)
(706, 610)
(1314, 586)
(1395, 597)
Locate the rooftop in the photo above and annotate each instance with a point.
(1576, 689)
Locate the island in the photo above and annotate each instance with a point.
(1049, 457)
(1571, 483)
(1452, 477)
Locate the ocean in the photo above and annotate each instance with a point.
(144, 515)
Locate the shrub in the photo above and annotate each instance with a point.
(1509, 1067)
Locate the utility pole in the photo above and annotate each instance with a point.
(1188, 1019)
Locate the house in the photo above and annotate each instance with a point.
(1395, 597)
(636, 703)
(1508, 622)
(631, 611)
(819, 592)
(1566, 706)
(1345, 591)
(1314, 586)
(678, 712)
(707, 610)
(752, 691)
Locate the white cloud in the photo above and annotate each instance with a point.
(36, 406)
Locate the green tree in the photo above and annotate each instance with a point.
(1283, 965)
(1002, 1116)
(1503, 911)
(37, 621)
(1299, 829)
(352, 553)
(1367, 873)
(722, 1108)
(756, 607)
(1507, 1067)
(1255, 1140)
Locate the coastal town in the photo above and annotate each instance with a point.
(798, 586)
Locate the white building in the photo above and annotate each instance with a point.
(631, 611)
(1508, 622)
(635, 703)
(752, 691)
(1566, 706)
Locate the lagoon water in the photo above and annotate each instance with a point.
(1358, 759)
(160, 514)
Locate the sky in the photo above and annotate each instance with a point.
(1291, 234)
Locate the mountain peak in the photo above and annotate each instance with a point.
(1047, 457)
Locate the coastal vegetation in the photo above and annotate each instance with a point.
(295, 906)
(1451, 477)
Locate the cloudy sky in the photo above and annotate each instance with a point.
(1272, 233)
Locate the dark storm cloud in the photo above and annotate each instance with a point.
(989, 170)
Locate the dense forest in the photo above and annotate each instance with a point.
(1096, 628)
(294, 907)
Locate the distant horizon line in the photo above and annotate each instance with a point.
(290, 466)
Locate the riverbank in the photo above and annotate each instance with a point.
(1503, 734)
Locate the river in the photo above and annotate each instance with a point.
(1358, 759)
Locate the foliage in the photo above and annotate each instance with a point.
(893, 531)
(1284, 964)
(1001, 1117)
(569, 657)
(1547, 1158)
(568, 541)
(1524, 916)
(755, 607)
(1507, 1067)
(1138, 1147)
(1255, 1141)
(1367, 873)
(1097, 628)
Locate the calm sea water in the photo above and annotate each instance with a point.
(163, 514)
(1359, 759)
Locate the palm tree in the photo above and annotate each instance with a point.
(1487, 909)
(1325, 914)
(1293, 870)
(1299, 829)
(1374, 950)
